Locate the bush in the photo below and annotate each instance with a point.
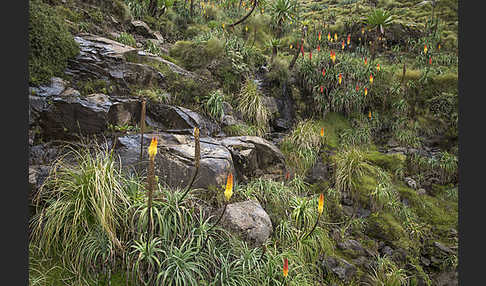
(196, 55)
(252, 106)
(127, 39)
(50, 43)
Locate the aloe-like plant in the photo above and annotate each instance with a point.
(281, 11)
(214, 105)
(379, 19)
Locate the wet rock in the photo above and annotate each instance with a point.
(248, 219)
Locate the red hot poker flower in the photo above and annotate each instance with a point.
(357, 88)
(323, 72)
(430, 60)
(348, 41)
(366, 61)
(319, 35)
(322, 89)
(342, 45)
(318, 48)
(286, 267)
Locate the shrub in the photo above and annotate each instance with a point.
(50, 43)
(195, 55)
(126, 39)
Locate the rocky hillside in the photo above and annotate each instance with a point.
(243, 142)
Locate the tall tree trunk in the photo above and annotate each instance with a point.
(191, 8)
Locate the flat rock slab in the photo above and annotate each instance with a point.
(248, 219)
(174, 162)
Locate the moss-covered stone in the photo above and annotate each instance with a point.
(384, 226)
(390, 162)
(51, 44)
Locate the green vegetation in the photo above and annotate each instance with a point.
(91, 219)
(50, 43)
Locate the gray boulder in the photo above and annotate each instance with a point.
(174, 162)
(249, 220)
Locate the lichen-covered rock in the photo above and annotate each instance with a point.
(248, 219)
(174, 162)
(344, 270)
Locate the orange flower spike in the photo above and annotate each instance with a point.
(318, 48)
(362, 31)
(366, 61)
(319, 37)
(320, 207)
(369, 115)
(425, 49)
(152, 149)
(329, 36)
(430, 60)
(310, 55)
(286, 267)
(229, 187)
(348, 41)
(371, 79)
(342, 45)
(322, 132)
(340, 78)
(357, 88)
(378, 67)
(322, 89)
(366, 91)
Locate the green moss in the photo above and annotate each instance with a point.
(333, 123)
(390, 162)
(196, 55)
(439, 213)
(50, 43)
(384, 226)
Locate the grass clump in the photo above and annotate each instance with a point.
(126, 39)
(252, 106)
(82, 208)
(50, 43)
(301, 146)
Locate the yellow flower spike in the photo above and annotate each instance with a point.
(371, 79)
(329, 36)
(223, 25)
(152, 149)
(246, 28)
(366, 91)
(229, 187)
(291, 46)
(286, 267)
(335, 37)
(425, 49)
(340, 78)
(378, 67)
(320, 207)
